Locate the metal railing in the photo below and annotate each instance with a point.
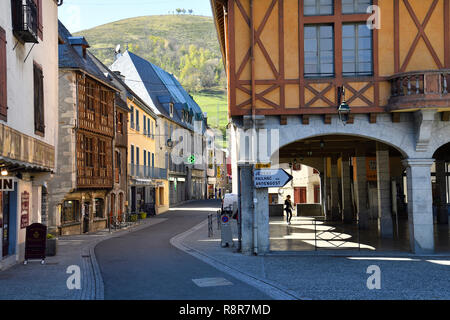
(332, 237)
(211, 217)
(140, 171)
(25, 20)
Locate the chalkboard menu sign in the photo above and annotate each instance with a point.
(35, 242)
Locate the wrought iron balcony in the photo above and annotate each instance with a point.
(145, 172)
(25, 20)
(421, 89)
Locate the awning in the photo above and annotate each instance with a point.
(143, 182)
(17, 165)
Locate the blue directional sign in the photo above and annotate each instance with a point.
(271, 178)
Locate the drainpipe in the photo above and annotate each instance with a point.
(255, 140)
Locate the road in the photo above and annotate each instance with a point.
(144, 265)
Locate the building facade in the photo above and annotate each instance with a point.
(81, 198)
(340, 81)
(179, 128)
(148, 179)
(28, 118)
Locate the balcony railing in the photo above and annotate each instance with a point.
(420, 89)
(25, 20)
(145, 172)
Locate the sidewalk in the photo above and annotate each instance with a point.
(328, 275)
(48, 282)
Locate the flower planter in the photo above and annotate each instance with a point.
(51, 247)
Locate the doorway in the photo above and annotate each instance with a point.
(86, 217)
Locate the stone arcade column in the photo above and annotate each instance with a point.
(347, 207)
(246, 208)
(420, 205)
(261, 215)
(254, 214)
(442, 214)
(385, 226)
(334, 180)
(361, 190)
(326, 190)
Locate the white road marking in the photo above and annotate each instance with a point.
(212, 282)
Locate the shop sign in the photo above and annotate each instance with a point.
(24, 209)
(6, 184)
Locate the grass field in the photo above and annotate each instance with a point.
(214, 102)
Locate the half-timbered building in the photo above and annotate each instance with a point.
(85, 172)
(332, 84)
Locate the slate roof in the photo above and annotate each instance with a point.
(70, 59)
(157, 88)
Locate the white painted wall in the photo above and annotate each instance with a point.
(20, 74)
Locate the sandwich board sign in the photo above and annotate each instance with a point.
(271, 178)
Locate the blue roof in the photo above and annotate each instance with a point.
(69, 58)
(162, 87)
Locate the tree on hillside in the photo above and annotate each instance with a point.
(178, 10)
(183, 10)
(191, 11)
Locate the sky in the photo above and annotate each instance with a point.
(80, 15)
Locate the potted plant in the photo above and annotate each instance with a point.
(51, 245)
(143, 215)
(133, 217)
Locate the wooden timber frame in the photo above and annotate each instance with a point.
(250, 94)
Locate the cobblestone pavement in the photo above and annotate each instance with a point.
(328, 274)
(48, 282)
(334, 275)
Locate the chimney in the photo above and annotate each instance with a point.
(119, 75)
(80, 45)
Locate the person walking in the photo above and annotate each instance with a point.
(288, 208)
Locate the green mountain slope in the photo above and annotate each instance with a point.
(184, 45)
(176, 43)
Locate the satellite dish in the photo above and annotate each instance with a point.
(118, 48)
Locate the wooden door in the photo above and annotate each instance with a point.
(316, 194)
(300, 195)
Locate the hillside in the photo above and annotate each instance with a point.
(176, 43)
(184, 45)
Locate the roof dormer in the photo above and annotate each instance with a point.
(79, 44)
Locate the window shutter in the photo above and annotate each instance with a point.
(40, 21)
(39, 124)
(3, 70)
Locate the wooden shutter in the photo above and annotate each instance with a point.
(3, 77)
(39, 124)
(40, 21)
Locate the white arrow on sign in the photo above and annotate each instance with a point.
(267, 178)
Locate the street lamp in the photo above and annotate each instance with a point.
(344, 109)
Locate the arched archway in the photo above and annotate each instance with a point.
(354, 195)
